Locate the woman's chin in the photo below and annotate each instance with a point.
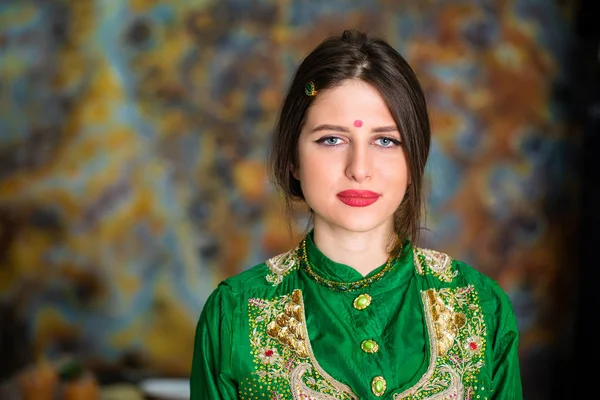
(358, 223)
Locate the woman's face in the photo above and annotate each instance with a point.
(352, 167)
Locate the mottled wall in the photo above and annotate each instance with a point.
(132, 144)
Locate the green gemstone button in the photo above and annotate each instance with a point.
(362, 301)
(369, 346)
(378, 385)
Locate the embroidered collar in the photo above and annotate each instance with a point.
(339, 277)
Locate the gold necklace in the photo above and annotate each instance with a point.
(345, 286)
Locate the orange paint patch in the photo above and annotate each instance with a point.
(250, 178)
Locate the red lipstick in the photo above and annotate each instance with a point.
(358, 198)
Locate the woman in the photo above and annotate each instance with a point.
(356, 311)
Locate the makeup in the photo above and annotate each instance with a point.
(358, 198)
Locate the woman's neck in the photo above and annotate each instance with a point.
(363, 251)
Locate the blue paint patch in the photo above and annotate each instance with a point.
(444, 175)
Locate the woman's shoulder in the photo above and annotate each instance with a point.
(248, 278)
(264, 276)
(445, 269)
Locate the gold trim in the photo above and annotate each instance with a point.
(357, 299)
(374, 382)
(309, 89)
(344, 286)
(439, 263)
(455, 386)
(289, 328)
(281, 265)
(375, 348)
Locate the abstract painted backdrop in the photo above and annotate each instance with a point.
(133, 137)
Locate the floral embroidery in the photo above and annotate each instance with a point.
(473, 344)
(276, 396)
(281, 265)
(283, 358)
(268, 356)
(438, 264)
(455, 323)
(285, 366)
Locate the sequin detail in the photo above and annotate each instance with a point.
(284, 362)
(454, 321)
(458, 336)
(439, 264)
(456, 327)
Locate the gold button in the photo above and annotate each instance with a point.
(369, 346)
(362, 301)
(378, 386)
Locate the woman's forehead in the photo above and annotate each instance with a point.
(353, 103)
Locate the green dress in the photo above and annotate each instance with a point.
(422, 326)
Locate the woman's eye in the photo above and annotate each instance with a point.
(330, 140)
(387, 142)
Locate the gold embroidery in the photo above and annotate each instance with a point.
(281, 265)
(288, 327)
(345, 286)
(302, 391)
(284, 356)
(440, 264)
(457, 344)
(446, 322)
(286, 365)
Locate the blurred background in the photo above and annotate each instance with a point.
(133, 135)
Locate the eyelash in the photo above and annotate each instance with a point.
(324, 140)
(395, 142)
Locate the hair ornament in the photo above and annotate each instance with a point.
(310, 90)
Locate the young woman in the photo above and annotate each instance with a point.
(356, 310)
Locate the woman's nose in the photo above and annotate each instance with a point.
(359, 163)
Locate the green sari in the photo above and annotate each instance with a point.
(300, 326)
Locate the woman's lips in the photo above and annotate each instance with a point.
(358, 198)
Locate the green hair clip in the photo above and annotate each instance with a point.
(310, 90)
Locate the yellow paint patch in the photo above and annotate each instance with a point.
(142, 5)
(51, 325)
(250, 178)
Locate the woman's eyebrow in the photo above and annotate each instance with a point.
(382, 129)
(338, 128)
(328, 127)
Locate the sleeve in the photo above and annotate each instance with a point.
(211, 372)
(506, 372)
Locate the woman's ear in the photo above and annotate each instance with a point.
(294, 172)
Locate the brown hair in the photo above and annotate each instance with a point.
(353, 55)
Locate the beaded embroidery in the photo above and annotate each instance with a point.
(457, 334)
(281, 265)
(343, 286)
(457, 345)
(286, 366)
(439, 264)
(283, 357)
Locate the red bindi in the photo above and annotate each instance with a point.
(358, 123)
